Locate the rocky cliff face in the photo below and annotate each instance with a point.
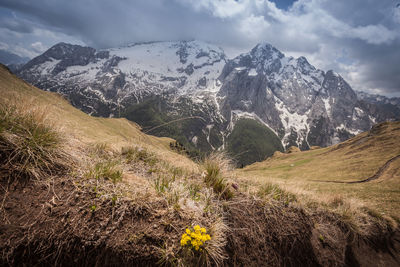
(157, 82)
(304, 105)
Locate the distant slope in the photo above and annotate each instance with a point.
(252, 141)
(152, 115)
(379, 100)
(13, 61)
(365, 167)
(8, 58)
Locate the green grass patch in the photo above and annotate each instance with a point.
(134, 154)
(162, 184)
(215, 167)
(152, 116)
(273, 191)
(250, 141)
(108, 170)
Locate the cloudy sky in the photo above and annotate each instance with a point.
(360, 39)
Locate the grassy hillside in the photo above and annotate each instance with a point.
(250, 141)
(340, 170)
(85, 191)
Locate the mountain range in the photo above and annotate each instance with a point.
(11, 60)
(251, 106)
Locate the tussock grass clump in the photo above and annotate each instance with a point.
(101, 150)
(215, 248)
(134, 154)
(216, 167)
(162, 184)
(273, 191)
(108, 170)
(30, 146)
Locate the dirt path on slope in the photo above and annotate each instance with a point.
(379, 173)
(376, 176)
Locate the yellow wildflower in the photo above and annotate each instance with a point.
(195, 238)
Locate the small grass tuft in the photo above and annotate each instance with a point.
(108, 170)
(134, 154)
(274, 192)
(101, 150)
(336, 201)
(194, 191)
(216, 167)
(162, 184)
(215, 254)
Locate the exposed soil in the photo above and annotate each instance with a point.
(269, 235)
(52, 224)
(280, 235)
(55, 226)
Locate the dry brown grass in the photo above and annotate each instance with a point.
(215, 249)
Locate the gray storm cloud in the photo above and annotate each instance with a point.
(369, 31)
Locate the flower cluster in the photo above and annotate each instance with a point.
(195, 238)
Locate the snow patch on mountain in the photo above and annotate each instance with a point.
(252, 72)
(184, 65)
(89, 71)
(292, 121)
(359, 111)
(327, 106)
(344, 128)
(372, 119)
(47, 67)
